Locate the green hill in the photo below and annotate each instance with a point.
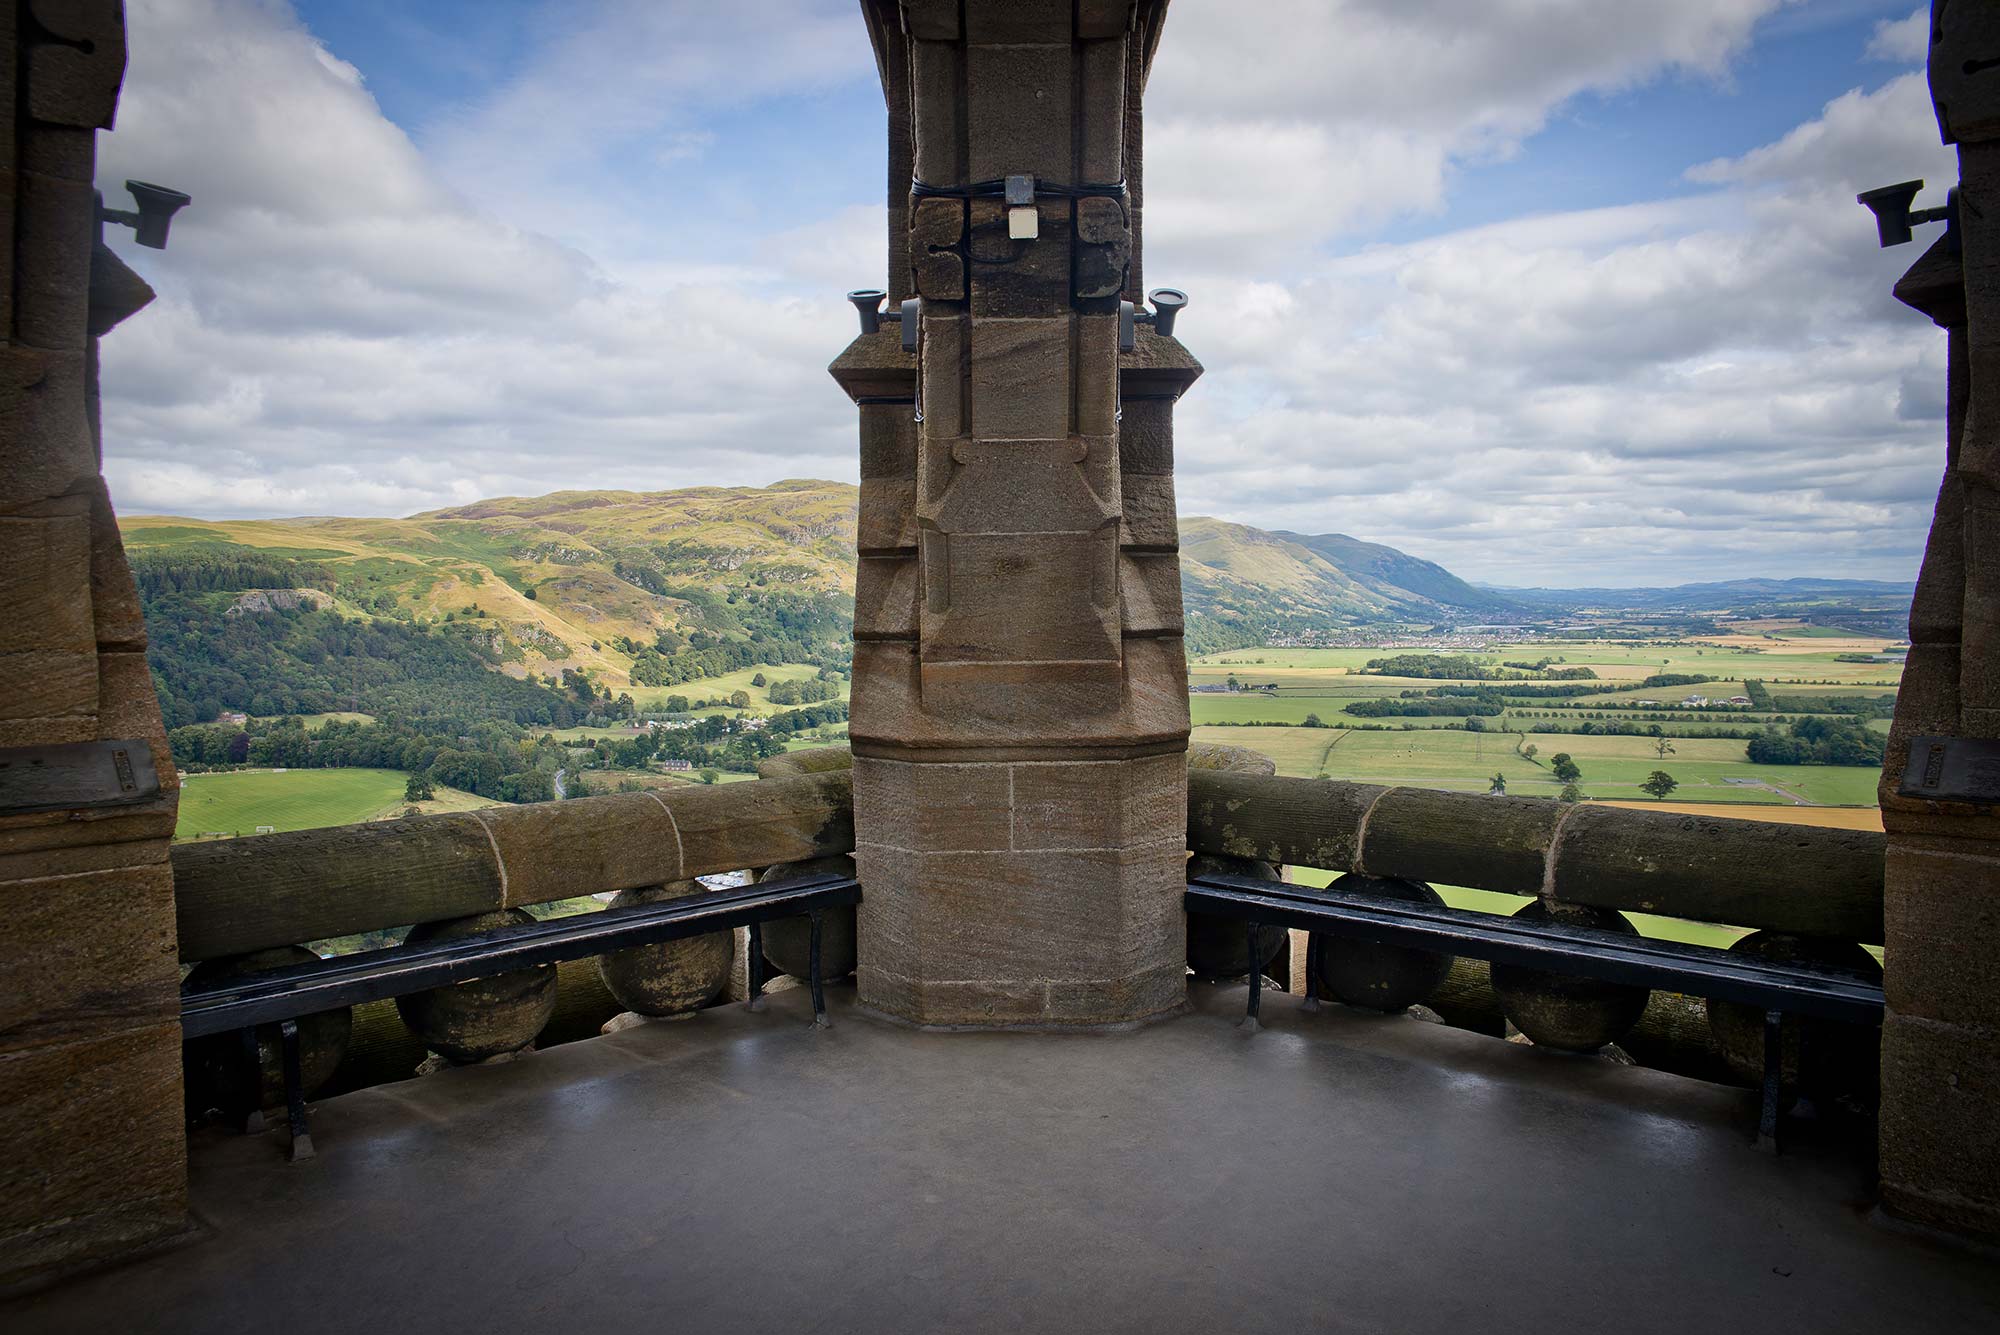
(647, 590)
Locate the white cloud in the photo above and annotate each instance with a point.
(1712, 385)
(353, 321)
(340, 331)
(1902, 41)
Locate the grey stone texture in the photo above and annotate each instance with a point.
(1940, 1162)
(90, 1059)
(1019, 703)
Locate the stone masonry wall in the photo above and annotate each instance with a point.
(1940, 1130)
(1020, 699)
(90, 1073)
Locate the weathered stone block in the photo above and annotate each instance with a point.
(933, 807)
(1943, 914)
(1148, 517)
(74, 80)
(1026, 597)
(43, 421)
(1506, 854)
(1146, 437)
(1157, 991)
(1077, 916)
(117, 620)
(938, 248)
(553, 850)
(127, 706)
(87, 953)
(1940, 1142)
(1103, 253)
(1149, 589)
(1097, 376)
(1097, 804)
(1965, 46)
(1023, 487)
(885, 597)
(931, 20)
(1102, 18)
(1101, 119)
(54, 229)
(1937, 610)
(888, 517)
(53, 684)
(937, 98)
(888, 440)
(1018, 110)
(944, 351)
(45, 585)
(1313, 825)
(1027, 279)
(96, 1150)
(1695, 867)
(1019, 21)
(1020, 379)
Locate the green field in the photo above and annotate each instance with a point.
(711, 688)
(1435, 751)
(300, 799)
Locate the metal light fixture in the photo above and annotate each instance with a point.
(1167, 304)
(868, 305)
(157, 207)
(1895, 219)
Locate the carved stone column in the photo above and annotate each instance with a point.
(90, 1072)
(1020, 697)
(1940, 1136)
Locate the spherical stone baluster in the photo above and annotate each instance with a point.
(669, 977)
(1377, 977)
(487, 1017)
(218, 1074)
(1565, 1011)
(787, 941)
(1216, 946)
(1820, 1056)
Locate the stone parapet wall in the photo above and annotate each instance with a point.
(240, 895)
(1790, 878)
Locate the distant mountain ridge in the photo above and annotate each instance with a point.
(645, 588)
(1732, 593)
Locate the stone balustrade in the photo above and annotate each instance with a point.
(245, 906)
(241, 895)
(1811, 894)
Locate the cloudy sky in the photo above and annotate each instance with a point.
(1549, 291)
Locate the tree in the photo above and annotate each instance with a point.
(1663, 747)
(759, 680)
(418, 788)
(1529, 752)
(1312, 721)
(1473, 723)
(1565, 769)
(711, 775)
(1659, 783)
(1499, 785)
(1571, 793)
(740, 699)
(529, 594)
(1232, 681)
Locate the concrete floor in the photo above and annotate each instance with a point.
(741, 1172)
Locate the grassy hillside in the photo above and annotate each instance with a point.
(655, 591)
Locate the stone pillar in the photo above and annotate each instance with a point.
(90, 1070)
(1940, 1129)
(1020, 694)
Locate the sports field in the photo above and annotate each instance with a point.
(237, 803)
